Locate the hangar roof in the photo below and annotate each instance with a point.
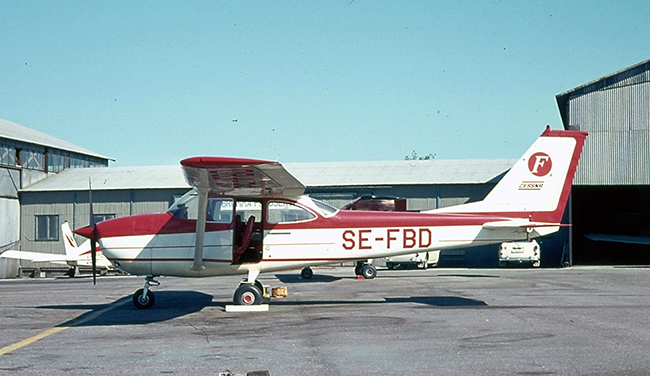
(637, 73)
(112, 178)
(322, 174)
(17, 132)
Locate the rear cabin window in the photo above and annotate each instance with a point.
(284, 212)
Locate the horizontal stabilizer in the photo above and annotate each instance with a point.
(628, 239)
(35, 257)
(518, 223)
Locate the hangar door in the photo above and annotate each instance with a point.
(623, 211)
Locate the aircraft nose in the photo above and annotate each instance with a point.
(86, 232)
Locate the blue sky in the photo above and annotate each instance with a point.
(149, 83)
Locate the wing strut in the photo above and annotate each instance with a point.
(200, 225)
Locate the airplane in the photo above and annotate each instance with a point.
(75, 256)
(249, 216)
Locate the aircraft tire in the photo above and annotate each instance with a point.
(368, 271)
(306, 273)
(143, 302)
(358, 266)
(247, 294)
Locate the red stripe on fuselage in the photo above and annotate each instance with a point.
(166, 223)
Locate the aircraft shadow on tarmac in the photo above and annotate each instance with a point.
(295, 278)
(173, 304)
(169, 305)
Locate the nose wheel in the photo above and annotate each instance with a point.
(144, 298)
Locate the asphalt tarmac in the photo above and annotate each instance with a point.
(573, 321)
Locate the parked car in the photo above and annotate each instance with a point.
(519, 252)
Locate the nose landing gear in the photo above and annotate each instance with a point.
(144, 298)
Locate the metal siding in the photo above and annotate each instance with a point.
(617, 151)
(43, 204)
(640, 157)
(615, 158)
(10, 209)
(9, 183)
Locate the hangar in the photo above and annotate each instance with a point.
(26, 157)
(611, 192)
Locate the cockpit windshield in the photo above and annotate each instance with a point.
(186, 207)
(321, 207)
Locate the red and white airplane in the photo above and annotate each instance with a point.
(247, 216)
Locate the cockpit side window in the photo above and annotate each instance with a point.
(220, 210)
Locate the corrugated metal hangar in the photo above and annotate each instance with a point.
(26, 157)
(611, 193)
(610, 211)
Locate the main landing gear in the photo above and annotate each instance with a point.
(365, 270)
(251, 291)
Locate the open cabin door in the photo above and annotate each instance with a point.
(248, 232)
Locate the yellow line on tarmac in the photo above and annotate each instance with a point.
(56, 329)
(30, 340)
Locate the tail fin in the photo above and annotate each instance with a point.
(71, 248)
(537, 187)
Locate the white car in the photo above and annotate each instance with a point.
(519, 252)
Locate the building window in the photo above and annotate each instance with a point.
(32, 160)
(102, 217)
(55, 162)
(47, 227)
(7, 155)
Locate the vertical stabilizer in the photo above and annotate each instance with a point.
(71, 248)
(537, 187)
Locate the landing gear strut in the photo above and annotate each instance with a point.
(144, 298)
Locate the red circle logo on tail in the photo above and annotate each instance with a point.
(540, 164)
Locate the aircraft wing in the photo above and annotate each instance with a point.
(619, 238)
(36, 257)
(241, 177)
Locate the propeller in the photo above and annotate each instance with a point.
(93, 240)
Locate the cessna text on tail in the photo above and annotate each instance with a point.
(247, 216)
